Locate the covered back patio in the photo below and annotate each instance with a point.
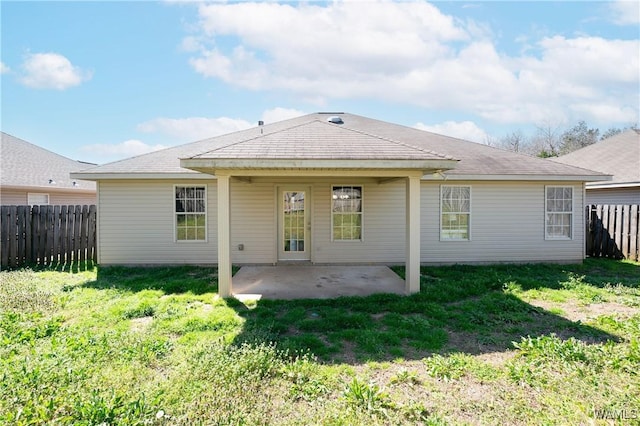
(318, 150)
(291, 281)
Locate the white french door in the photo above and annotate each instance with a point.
(294, 224)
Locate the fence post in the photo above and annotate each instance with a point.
(92, 250)
(634, 231)
(4, 236)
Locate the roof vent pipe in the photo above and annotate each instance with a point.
(260, 123)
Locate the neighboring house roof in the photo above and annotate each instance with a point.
(357, 138)
(618, 155)
(25, 165)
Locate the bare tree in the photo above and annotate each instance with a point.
(546, 141)
(514, 141)
(612, 131)
(551, 141)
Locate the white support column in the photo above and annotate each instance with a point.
(412, 250)
(224, 236)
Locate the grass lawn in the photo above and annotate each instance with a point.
(528, 344)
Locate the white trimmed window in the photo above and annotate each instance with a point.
(559, 212)
(191, 213)
(346, 213)
(455, 212)
(37, 199)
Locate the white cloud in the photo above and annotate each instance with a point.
(194, 128)
(279, 114)
(625, 12)
(128, 148)
(51, 71)
(3, 68)
(409, 52)
(467, 130)
(606, 112)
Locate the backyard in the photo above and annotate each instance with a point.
(503, 344)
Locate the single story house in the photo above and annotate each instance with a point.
(338, 188)
(618, 156)
(31, 175)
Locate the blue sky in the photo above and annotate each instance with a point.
(99, 81)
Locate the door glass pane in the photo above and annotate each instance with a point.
(293, 221)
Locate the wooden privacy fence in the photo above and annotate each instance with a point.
(613, 231)
(47, 235)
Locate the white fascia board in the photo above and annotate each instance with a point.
(112, 176)
(65, 189)
(611, 185)
(529, 177)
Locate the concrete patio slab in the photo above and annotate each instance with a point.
(314, 282)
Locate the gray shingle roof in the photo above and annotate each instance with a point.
(318, 139)
(311, 137)
(618, 155)
(23, 164)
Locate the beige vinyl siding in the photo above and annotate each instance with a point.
(253, 221)
(11, 197)
(507, 225)
(614, 196)
(71, 199)
(19, 197)
(136, 224)
(383, 227)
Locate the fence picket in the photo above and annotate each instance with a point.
(91, 240)
(624, 246)
(47, 235)
(634, 233)
(13, 235)
(4, 232)
(83, 233)
(64, 210)
(22, 211)
(76, 233)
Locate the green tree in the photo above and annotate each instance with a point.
(578, 137)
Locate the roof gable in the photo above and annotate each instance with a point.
(24, 164)
(618, 155)
(317, 139)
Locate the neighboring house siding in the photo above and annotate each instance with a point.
(71, 199)
(614, 196)
(10, 197)
(19, 197)
(136, 224)
(507, 225)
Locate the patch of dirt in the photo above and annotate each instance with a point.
(348, 353)
(496, 359)
(460, 341)
(141, 324)
(576, 312)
